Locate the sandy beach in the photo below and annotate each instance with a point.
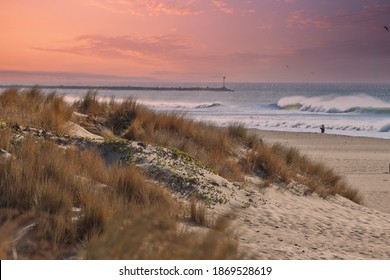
(364, 162)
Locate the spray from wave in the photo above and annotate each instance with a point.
(335, 104)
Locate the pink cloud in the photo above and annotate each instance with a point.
(305, 19)
(223, 7)
(168, 7)
(367, 17)
(286, 1)
(150, 7)
(130, 46)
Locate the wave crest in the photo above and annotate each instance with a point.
(204, 106)
(385, 128)
(335, 104)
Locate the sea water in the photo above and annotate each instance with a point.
(347, 109)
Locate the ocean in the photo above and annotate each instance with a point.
(346, 109)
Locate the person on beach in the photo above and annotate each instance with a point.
(322, 127)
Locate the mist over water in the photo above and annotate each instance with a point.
(348, 109)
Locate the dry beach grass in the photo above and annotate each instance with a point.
(162, 186)
(31, 107)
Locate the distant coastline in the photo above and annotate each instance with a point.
(121, 87)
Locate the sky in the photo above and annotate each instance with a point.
(127, 41)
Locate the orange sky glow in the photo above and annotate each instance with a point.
(121, 41)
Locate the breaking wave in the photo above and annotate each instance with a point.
(385, 128)
(203, 106)
(335, 104)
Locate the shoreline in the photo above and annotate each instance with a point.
(362, 161)
(354, 134)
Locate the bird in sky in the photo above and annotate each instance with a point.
(387, 28)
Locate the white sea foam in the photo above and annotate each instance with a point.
(335, 104)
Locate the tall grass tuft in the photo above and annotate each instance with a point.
(90, 104)
(198, 213)
(33, 107)
(279, 163)
(265, 163)
(148, 236)
(5, 138)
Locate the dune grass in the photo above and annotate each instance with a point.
(211, 145)
(49, 183)
(198, 213)
(33, 107)
(279, 163)
(150, 236)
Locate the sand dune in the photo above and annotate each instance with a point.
(284, 223)
(278, 221)
(363, 161)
